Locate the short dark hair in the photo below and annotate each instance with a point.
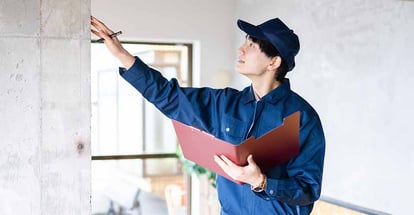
(270, 51)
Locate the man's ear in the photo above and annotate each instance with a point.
(275, 63)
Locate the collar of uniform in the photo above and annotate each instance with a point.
(273, 96)
(248, 95)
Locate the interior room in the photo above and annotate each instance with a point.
(77, 139)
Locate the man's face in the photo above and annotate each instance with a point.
(251, 61)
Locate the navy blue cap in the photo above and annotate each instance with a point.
(278, 34)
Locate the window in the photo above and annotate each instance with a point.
(133, 144)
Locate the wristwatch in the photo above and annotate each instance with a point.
(262, 185)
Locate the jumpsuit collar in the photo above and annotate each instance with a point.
(272, 97)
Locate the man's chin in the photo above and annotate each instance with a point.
(238, 69)
(241, 72)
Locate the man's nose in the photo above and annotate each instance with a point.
(241, 49)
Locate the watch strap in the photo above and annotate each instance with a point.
(262, 185)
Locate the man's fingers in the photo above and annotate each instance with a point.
(101, 35)
(95, 32)
(227, 161)
(100, 26)
(250, 160)
(219, 161)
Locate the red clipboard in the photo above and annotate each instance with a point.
(271, 149)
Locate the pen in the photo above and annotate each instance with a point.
(111, 36)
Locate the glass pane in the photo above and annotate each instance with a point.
(107, 111)
(159, 133)
(130, 126)
(123, 122)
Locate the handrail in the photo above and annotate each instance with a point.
(353, 207)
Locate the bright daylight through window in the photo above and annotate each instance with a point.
(126, 129)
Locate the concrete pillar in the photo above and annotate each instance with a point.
(44, 107)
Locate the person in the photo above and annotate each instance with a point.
(266, 56)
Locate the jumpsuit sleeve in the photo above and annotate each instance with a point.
(192, 106)
(302, 184)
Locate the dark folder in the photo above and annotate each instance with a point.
(273, 148)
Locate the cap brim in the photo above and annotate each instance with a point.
(251, 30)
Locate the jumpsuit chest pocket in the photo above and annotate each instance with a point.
(234, 129)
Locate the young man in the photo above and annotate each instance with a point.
(232, 115)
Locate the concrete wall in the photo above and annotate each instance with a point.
(356, 68)
(44, 107)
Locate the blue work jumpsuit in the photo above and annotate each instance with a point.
(233, 116)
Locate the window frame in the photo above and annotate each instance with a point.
(190, 83)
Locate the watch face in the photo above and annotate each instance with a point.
(258, 189)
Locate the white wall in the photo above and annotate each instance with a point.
(208, 24)
(44, 107)
(356, 68)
